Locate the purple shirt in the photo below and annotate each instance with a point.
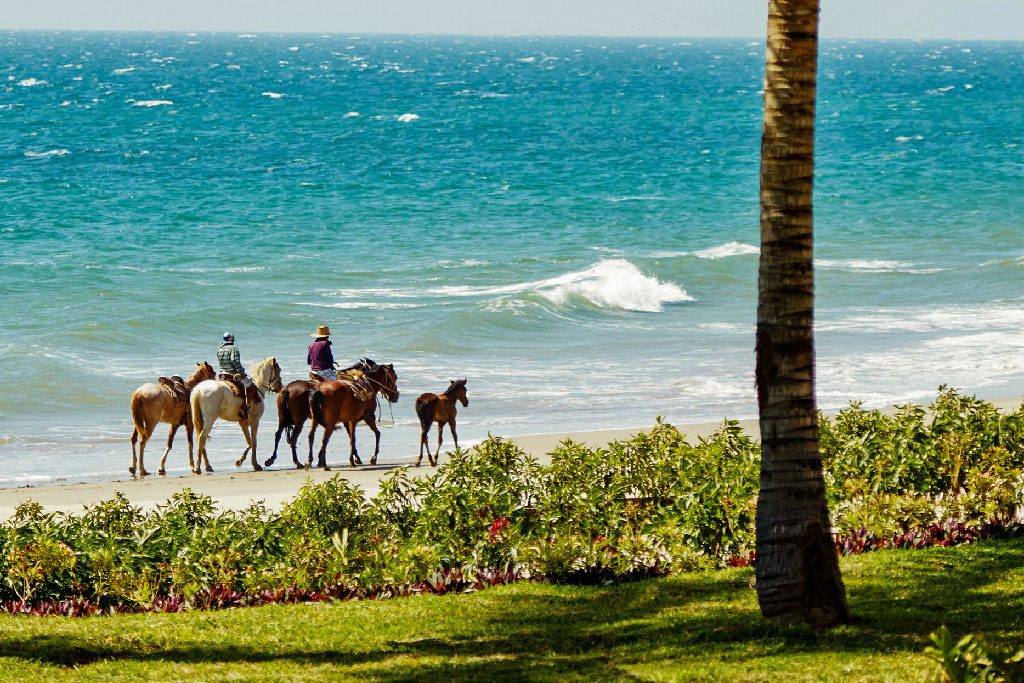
(320, 356)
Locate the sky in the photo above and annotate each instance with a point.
(916, 19)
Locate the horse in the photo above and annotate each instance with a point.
(332, 403)
(214, 399)
(431, 408)
(293, 411)
(152, 404)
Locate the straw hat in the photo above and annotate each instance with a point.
(322, 331)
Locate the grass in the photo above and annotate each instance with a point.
(690, 627)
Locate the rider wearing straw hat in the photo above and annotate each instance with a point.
(320, 359)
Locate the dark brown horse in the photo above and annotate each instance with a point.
(332, 403)
(431, 408)
(293, 411)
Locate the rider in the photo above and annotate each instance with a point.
(227, 356)
(319, 358)
(231, 363)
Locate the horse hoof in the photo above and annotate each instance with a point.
(209, 469)
(300, 466)
(238, 463)
(144, 473)
(306, 467)
(162, 472)
(131, 471)
(257, 467)
(373, 461)
(326, 468)
(269, 462)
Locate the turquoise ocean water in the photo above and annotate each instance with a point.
(569, 223)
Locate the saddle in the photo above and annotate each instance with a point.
(238, 389)
(175, 387)
(356, 380)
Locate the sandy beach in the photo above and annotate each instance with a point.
(235, 489)
(232, 488)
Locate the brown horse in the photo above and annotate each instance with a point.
(152, 404)
(293, 411)
(431, 408)
(332, 403)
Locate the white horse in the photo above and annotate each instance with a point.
(214, 399)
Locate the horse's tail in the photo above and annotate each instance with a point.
(138, 415)
(284, 414)
(197, 412)
(316, 406)
(425, 410)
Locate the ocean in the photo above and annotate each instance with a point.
(569, 223)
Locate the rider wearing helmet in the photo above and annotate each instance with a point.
(227, 356)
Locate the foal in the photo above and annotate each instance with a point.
(432, 408)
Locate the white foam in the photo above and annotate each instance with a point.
(610, 283)
(151, 103)
(726, 250)
(350, 114)
(48, 153)
(29, 82)
(162, 87)
(614, 283)
(405, 118)
(864, 265)
(127, 69)
(273, 95)
(246, 35)
(353, 305)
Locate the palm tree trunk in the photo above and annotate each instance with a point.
(797, 569)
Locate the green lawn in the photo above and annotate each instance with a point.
(693, 627)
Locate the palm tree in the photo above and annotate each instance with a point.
(798, 577)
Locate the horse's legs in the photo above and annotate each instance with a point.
(423, 442)
(254, 426)
(437, 453)
(353, 456)
(145, 436)
(248, 428)
(135, 456)
(371, 422)
(201, 457)
(322, 458)
(455, 437)
(188, 433)
(170, 442)
(281, 426)
(293, 439)
(312, 433)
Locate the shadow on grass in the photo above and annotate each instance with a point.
(529, 633)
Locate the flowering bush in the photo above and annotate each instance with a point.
(638, 508)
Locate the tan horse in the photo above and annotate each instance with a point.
(332, 403)
(214, 399)
(152, 404)
(431, 408)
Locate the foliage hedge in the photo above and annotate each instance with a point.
(650, 505)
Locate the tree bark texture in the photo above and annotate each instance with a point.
(797, 568)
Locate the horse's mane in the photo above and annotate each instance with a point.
(260, 370)
(454, 386)
(199, 374)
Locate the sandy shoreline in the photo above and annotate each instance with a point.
(238, 488)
